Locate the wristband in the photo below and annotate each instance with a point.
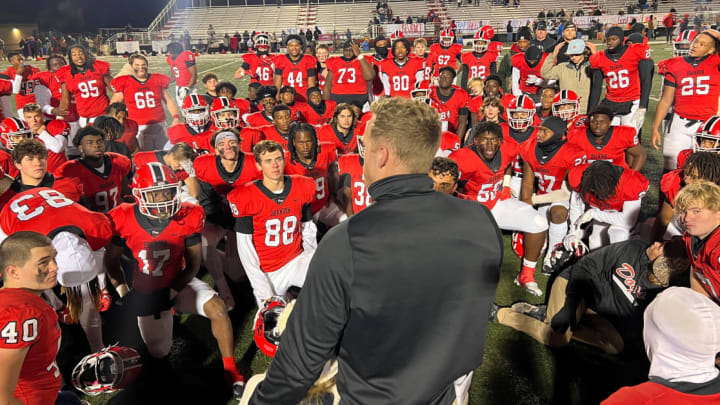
(506, 180)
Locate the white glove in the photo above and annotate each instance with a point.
(638, 118)
(531, 80)
(573, 243)
(187, 166)
(182, 92)
(584, 218)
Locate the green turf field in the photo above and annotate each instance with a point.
(516, 369)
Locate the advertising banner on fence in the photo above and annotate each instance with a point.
(409, 30)
(585, 22)
(127, 46)
(470, 27)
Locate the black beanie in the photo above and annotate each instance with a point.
(615, 31)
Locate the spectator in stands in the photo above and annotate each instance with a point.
(283, 38)
(316, 33)
(408, 20)
(308, 35)
(186, 39)
(509, 31)
(668, 22)
(541, 15)
(681, 340)
(211, 34)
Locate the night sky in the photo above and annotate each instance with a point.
(84, 15)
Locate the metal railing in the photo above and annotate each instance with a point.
(165, 14)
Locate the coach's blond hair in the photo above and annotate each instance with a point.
(411, 130)
(705, 194)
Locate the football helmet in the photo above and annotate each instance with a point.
(566, 97)
(262, 41)
(521, 103)
(421, 93)
(707, 137)
(681, 45)
(196, 110)
(13, 131)
(221, 105)
(482, 38)
(267, 330)
(447, 38)
(396, 35)
(111, 369)
(149, 182)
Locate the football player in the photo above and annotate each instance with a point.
(401, 74)
(113, 130)
(129, 137)
(320, 111)
(352, 193)
(144, 94)
(546, 161)
(614, 195)
(49, 92)
(522, 42)
(526, 77)
(226, 115)
(485, 169)
(228, 90)
(23, 81)
(53, 134)
(280, 130)
(179, 158)
(294, 68)
(445, 175)
(522, 127)
(12, 132)
(627, 71)
(547, 95)
(30, 337)
(698, 208)
(381, 53)
(451, 102)
(341, 131)
(602, 141)
(699, 166)
(259, 64)
(196, 131)
(183, 69)
(275, 233)
(566, 106)
(6, 87)
(444, 53)
(299, 109)
(481, 61)
(347, 76)
(86, 79)
(267, 96)
(698, 77)
(163, 235)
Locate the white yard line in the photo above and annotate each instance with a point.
(218, 66)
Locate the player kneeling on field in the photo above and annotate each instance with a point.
(617, 282)
(163, 235)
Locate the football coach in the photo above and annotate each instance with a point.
(400, 293)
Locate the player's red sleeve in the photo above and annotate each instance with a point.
(116, 217)
(197, 218)
(637, 186)
(123, 162)
(575, 176)
(14, 317)
(240, 200)
(460, 156)
(164, 81)
(118, 84)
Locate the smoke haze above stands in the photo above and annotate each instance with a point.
(83, 15)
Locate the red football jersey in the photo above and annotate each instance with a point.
(155, 156)
(618, 139)
(320, 116)
(180, 67)
(449, 142)
(482, 182)
(258, 119)
(351, 165)
(299, 110)
(158, 252)
(317, 170)
(144, 100)
(682, 157)
(551, 174)
(54, 159)
(697, 86)
(518, 62)
(275, 220)
(670, 185)
(260, 68)
(376, 87)
(475, 105)
(209, 168)
(347, 76)
(704, 264)
(27, 86)
(102, 190)
(271, 133)
(632, 186)
(295, 74)
(71, 188)
(343, 143)
(48, 212)
(130, 133)
(6, 163)
(450, 108)
(621, 77)
(50, 80)
(440, 57)
(87, 88)
(27, 321)
(651, 392)
(478, 66)
(199, 141)
(399, 80)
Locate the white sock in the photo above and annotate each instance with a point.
(556, 233)
(528, 263)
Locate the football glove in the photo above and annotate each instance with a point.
(639, 118)
(573, 243)
(187, 166)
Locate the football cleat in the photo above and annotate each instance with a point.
(13, 131)
(526, 279)
(707, 137)
(518, 244)
(521, 104)
(238, 388)
(156, 190)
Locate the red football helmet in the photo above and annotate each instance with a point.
(267, 331)
(482, 38)
(262, 41)
(58, 127)
(13, 131)
(111, 369)
(566, 97)
(196, 110)
(224, 113)
(152, 182)
(707, 138)
(396, 35)
(681, 45)
(521, 104)
(447, 38)
(421, 93)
